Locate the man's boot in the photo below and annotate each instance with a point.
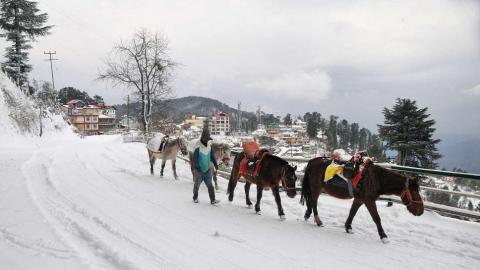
(211, 194)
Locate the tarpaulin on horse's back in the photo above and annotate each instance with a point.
(250, 148)
(154, 143)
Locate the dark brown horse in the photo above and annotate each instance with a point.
(376, 181)
(273, 171)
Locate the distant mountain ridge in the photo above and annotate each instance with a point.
(177, 108)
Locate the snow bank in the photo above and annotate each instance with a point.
(20, 116)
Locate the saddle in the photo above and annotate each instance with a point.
(350, 180)
(163, 143)
(251, 166)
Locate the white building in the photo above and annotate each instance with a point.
(220, 124)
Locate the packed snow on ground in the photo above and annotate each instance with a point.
(71, 203)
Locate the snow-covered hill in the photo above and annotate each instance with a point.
(92, 204)
(19, 117)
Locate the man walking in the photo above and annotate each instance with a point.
(202, 156)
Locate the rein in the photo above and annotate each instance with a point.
(284, 182)
(408, 194)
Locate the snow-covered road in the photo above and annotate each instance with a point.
(92, 204)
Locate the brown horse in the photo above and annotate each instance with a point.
(376, 181)
(273, 170)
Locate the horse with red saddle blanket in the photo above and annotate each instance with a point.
(264, 170)
(372, 181)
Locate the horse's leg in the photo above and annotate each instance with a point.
(372, 208)
(215, 179)
(163, 166)
(232, 183)
(247, 194)
(259, 197)
(353, 211)
(276, 194)
(152, 161)
(313, 204)
(308, 213)
(174, 168)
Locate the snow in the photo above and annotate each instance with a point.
(92, 204)
(71, 203)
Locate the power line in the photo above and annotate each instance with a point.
(50, 53)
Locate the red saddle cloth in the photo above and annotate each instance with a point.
(359, 175)
(259, 155)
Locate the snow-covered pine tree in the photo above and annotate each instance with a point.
(408, 130)
(21, 22)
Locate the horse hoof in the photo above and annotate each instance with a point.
(258, 213)
(385, 240)
(349, 231)
(282, 217)
(249, 206)
(306, 218)
(318, 221)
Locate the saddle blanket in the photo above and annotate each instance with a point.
(258, 157)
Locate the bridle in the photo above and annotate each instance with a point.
(180, 144)
(284, 182)
(408, 194)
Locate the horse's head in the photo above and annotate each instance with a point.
(225, 154)
(289, 180)
(222, 152)
(182, 143)
(411, 196)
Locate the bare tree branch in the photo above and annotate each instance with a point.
(143, 65)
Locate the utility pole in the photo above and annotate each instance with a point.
(50, 53)
(239, 117)
(128, 113)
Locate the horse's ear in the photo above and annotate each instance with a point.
(295, 168)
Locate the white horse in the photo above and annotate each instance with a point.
(170, 151)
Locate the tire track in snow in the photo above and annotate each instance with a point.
(67, 218)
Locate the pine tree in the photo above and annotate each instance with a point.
(376, 149)
(408, 130)
(363, 139)
(354, 135)
(287, 120)
(312, 129)
(21, 23)
(69, 93)
(343, 129)
(98, 99)
(332, 132)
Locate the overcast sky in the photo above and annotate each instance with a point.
(348, 58)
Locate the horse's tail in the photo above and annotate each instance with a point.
(306, 191)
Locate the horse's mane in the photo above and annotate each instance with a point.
(277, 158)
(388, 174)
(174, 140)
(221, 145)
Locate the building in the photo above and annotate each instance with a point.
(83, 117)
(220, 123)
(194, 120)
(107, 119)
